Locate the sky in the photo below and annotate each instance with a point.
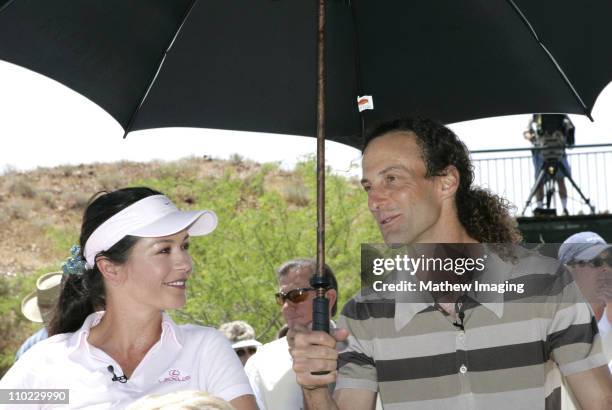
(45, 124)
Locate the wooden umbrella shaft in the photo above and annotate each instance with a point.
(321, 138)
(320, 281)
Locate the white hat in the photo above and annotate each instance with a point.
(246, 343)
(152, 217)
(582, 246)
(38, 305)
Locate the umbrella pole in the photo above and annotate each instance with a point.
(320, 281)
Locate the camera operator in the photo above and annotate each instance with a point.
(550, 130)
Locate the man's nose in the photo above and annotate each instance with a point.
(377, 198)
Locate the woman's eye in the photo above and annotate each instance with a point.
(165, 250)
(185, 246)
(366, 188)
(391, 178)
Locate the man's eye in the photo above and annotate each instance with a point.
(186, 246)
(391, 178)
(366, 187)
(165, 250)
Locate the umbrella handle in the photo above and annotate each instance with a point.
(320, 314)
(320, 317)
(320, 307)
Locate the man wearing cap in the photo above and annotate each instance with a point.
(269, 370)
(589, 258)
(38, 307)
(242, 337)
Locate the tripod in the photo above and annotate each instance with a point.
(548, 170)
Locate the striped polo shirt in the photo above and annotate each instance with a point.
(507, 356)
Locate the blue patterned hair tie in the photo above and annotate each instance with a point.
(74, 265)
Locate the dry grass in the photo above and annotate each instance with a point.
(110, 182)
(22, 188)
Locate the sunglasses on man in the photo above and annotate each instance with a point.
(244, 350)
(595, 263)
(294, 296)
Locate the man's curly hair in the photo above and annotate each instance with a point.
(484, 215)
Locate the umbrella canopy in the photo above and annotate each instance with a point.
(251, 64)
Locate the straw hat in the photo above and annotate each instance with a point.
(38, 305)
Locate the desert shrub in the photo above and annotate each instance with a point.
(18, 209)
(76, 200)
(22, 188)
(296, 194)
(110, 182)
(236, 159)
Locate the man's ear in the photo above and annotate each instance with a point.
(331, 296)
(449, 182)
(111, 271)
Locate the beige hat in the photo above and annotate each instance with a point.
(239, 333)
(38, 305)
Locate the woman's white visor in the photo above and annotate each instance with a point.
(151, 217)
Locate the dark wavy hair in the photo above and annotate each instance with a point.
(84, 294)
(484, 215)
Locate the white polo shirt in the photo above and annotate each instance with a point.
(272, 378)
(186, 357)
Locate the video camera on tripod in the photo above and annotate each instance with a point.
(553, 133)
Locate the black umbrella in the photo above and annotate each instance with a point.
(252, 64)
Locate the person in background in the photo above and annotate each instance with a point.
(38, 307)
(544, 125)
(111, 341)
(242, 337)
(269, 370)
(589, 259)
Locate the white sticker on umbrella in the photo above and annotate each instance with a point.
(365, 102)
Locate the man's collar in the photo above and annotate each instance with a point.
(404, 312)
(496, 272)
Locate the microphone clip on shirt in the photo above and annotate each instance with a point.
(115, 378)
(460, 313)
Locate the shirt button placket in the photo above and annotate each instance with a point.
(461, 351)
(462, 362)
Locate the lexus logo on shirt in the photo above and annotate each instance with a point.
(174, 375)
